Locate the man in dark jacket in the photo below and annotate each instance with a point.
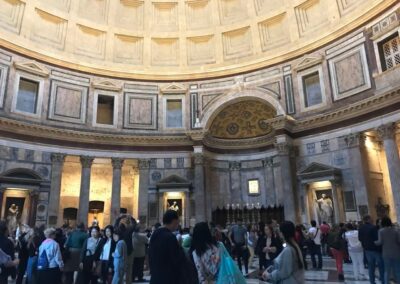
(8, 247)
(166, 257)
(368, 234)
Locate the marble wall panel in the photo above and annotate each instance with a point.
(140, 111)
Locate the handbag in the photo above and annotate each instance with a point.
(310, 242)
(229, 272)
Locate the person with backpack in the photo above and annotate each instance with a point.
(337, 245)
(356, 252)
(50, 263)
(314, 245)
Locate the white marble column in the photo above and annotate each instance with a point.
(355, 143)
(144, 175)
(116, 188)
(199, 191)
(388, 134)
(83, 210)
(269, 193)
(284, 150)
(57, 163)
(337, 201)
(234, 172)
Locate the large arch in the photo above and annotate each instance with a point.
(232, 97)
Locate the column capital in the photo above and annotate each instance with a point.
(387, 131)
(144, 164)
(355, 139)
(199, 158)
(57, 158)
(235, 166)
(283, 148)
(268, 162)
(86, 161)
(117, 163)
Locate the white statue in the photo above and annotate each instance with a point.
(174, 206)
(12, 218)
(325, 207)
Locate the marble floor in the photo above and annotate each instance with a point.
(328, 275)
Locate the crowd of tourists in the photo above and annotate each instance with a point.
(208, 253)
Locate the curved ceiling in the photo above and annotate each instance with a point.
(176, 39)
(246, 119)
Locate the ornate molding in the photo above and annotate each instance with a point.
(354, 139)
(32, 67)
(387, 131)
(283, 148)
(107, 85)
(86, 161)
(144, 164)
(57, 158)
(268, 162)
(199, 159)
(235, 166)
(117, 163)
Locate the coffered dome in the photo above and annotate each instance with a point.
(176, 39)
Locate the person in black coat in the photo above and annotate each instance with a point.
(7, 246)
(168, 264)
(272, 246)
(106, 255)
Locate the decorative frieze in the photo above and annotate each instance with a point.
(235, 166)
(144, 164)
(198, 158)
(387, 131)
(354, 139)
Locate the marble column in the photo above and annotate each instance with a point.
(144, 175)
(269, 193)
(199, 191)
(234, 173)
(34, 196)
(84, 195)
(388, 134)
(2, 190)
(355, 143)
(57, 163)
(284, 150)
(116, 188)
(337, 201)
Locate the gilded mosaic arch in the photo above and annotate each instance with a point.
(241, 120)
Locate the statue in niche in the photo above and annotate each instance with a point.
(325, 208)
(13, 212)
(382, 209)
(174, 206)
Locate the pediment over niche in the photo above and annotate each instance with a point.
(173, 181)
(308, 61)
(107, 85)
(318, 172)
(32, 67)
(174, 88)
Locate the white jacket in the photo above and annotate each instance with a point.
(53, 253)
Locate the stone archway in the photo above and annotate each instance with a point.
(225, 100)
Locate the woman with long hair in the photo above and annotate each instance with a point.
(90, 254)
(261, 239)
(272, 246)
(205, 253)
(288, 266)
(300, 238)
(106, 255)
(120, 256)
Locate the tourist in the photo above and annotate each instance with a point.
(368, 234)
(272, 246)
(355, 250)
(205, 253)
(140, 242)
(238, 237)
(33, 250)
(314, 245)
(106, 257)
(120, 256)
(389, 239)
(90, 254)
(7, 246)
(261, 239)
(300, 238)
(251, 242)
(337, 244)
(288, 267)
(74, 245)
(325, 228)
(166, 256)
(24, 233)
(50, 263)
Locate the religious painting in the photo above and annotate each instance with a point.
(324, 205)
(175, 204)
(253, 186)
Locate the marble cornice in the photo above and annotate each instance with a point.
(35, 130)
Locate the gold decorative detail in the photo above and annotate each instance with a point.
(247, 119)
(32, 67)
